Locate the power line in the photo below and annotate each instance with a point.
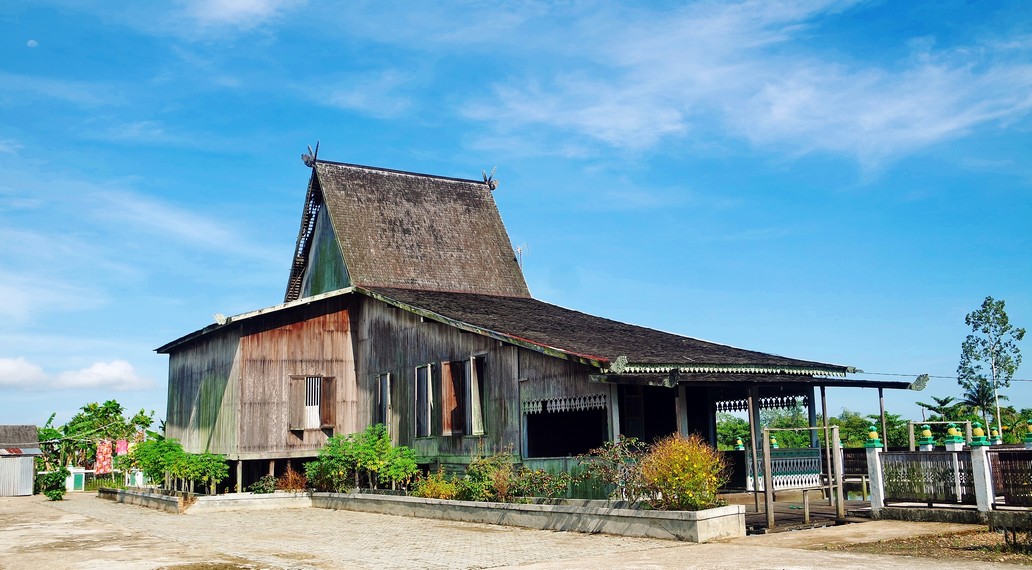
(932, 376)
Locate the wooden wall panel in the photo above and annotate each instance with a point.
(203, 395)
(317, 346)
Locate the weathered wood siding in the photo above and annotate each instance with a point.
(391, 340)
(320, 345)
(203, 394)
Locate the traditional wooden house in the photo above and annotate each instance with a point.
(405, 306)
(19, 446)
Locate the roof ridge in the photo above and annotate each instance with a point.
(403, 172)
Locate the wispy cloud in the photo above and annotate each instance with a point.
(380, 94)
(711, 69)
(25, 295)
(26, 89)
(244, 14)
(117, 375)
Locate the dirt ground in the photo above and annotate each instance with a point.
(981, 545)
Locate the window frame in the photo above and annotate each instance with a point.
(423, 402)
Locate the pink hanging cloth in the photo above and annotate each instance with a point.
(103, 465)
(121, 447)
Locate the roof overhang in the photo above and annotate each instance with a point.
(670, 380)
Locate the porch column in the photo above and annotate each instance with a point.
(827, 436)
(811, 409)
(682, 410)
(754, 424)
(240, 476)
(614, 412)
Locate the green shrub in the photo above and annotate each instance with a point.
(540, 483)
(488, 478)
(52, 484)
(683, 473)
(263, 486)
(435, 486)
(369, 458)
(615, 465)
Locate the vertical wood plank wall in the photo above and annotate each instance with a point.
(202, 396)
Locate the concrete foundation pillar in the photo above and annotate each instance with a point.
(983, 479)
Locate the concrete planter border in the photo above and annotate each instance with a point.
(609, 517)
(179, 504)
(690, 526)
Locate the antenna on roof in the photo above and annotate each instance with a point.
(489, 178)
(310, 158)
(520, 250)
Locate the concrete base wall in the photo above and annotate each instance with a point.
(249, 502)
(691, 526)
(143, 498)
(921, 514)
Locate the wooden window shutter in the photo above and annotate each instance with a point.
(328, 403)
(448, 399)
(475, 396)
(296, 403)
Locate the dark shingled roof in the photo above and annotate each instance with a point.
(529, 321)
(18, 436)
(400, 229)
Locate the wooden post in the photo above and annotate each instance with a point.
(840, 508)
(753, 422)
(811, 410)
(910, 434)
(827, 436)
(863, 487)
(272, 467)
(240, 476)
(806, 506)
(768, 481)
(881, 405)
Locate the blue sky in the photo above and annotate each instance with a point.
(836, 181)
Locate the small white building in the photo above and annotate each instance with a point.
(19, 445)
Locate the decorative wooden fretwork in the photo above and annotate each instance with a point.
(1012, 476)
(928, 476)
(791, 469)
(766, 403)
(570, 404)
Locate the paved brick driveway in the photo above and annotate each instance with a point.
(87, 533)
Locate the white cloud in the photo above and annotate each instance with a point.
(84, 93)
(117, 375)
(25, 295)
(32, 43)
(376, 94)
(20, 373)
(237, 13)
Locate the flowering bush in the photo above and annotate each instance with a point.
(683, 473)
(435, 486)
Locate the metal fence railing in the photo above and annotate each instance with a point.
(928, 477)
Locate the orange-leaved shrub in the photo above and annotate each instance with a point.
(683, 473)
(435, 486)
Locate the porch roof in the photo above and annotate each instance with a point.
(610, 345)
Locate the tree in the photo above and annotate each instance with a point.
(990, 353)
(979, 398)
(943, 407)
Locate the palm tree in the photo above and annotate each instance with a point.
(981, 398)
(942, 406)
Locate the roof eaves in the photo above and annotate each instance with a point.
(250, 315)
(830, 370)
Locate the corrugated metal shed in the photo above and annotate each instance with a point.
(19, 444)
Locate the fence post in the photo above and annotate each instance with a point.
(874, 471)
(980, 470)
(983, 477)
(840, 507)
(768, 480)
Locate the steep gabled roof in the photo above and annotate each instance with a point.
(18, 436)
(401, 229)
(611, 345)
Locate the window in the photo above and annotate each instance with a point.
(383, 400)
(424, 401)
(462, 389)
(312, 400)
(565, 427)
